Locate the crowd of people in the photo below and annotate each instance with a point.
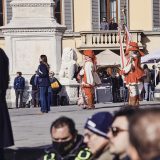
(45, 95)
(45, 87)
(150, 80)
(128, 134)
(111, 25)
(112, 78)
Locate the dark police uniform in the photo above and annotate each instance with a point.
(78, 152)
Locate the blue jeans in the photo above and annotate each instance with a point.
(44, 99)
(49, 98)
(19, 93)
(146, 88)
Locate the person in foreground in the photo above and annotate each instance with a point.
(6, 135)
(67, 144)
(118, 135)
(144, 135)
(95, 135)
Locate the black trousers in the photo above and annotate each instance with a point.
(35, 98)
(19, 94)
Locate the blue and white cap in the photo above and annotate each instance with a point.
(99, 123)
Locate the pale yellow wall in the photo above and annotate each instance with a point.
(68, 42)
(140, 15)
(153, 43)
(82, 15)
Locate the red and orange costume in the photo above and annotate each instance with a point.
(133, 72)
(87, 86)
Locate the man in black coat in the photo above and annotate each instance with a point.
(35, 90)
(113, 25)
(19, 85)
(6, 136)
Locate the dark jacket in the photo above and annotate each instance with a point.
(33, 82)
(4, 70)
(113, 26)
(125, 158)
(157, 158)
(43, 73)
(6, 136)
(79, 150)
(19, 83)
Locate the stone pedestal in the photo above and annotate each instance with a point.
(31, 32)
(69, 90)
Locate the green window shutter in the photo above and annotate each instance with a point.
(156, 14)
(8, 11)
(68, 14)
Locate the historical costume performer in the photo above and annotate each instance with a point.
(88, 83)
(6, 135)
(133, 73)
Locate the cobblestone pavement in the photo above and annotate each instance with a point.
(31, 129)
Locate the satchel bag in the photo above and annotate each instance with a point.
(96, 78)
(55, 85)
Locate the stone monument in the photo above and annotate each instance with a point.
(66, 74)
(31, 32)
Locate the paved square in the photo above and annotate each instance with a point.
(31, 129)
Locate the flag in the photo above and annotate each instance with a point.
(122, 56)
(128, 37)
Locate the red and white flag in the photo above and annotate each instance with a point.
(122, 56)
(128, 37)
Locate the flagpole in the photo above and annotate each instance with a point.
(122, 52)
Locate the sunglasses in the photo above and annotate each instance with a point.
(116, 130)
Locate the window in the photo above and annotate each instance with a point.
(65, 18)
(103, 9)
(156, 14)
(57, 10)
(109, 9)
(113, 9)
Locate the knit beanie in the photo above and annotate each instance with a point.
(99, 123)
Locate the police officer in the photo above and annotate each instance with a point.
(67, 144)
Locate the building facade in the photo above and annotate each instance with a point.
(82, 19)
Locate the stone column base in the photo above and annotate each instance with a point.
(69, 90)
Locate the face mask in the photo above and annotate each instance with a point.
(63, 147)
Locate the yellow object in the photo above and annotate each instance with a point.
(54, 85)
